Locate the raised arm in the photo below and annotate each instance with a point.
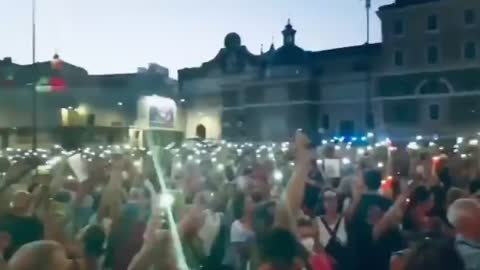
(291, 201)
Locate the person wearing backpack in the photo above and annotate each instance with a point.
(332, 231)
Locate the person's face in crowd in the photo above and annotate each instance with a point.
(21, 201)
(330, 202)
(260, 189)
(425, 207)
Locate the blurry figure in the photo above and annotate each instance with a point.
(126, 238)
(420, 204)
(92, 239)
(5, 240)
(333, 230)
(474, 189)
(42, 255)
(241, 230)
(434, 254)
(366, 210)
(309, 235)
(281, 251)
(454, 194)
(24, 228)
(464, 215)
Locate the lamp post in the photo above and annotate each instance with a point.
(34, 92)
(369, 119)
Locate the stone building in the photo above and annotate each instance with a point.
(74, 107)
(240, 95)
(422, 78)
(429, 79)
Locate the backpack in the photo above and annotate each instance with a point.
(334, 247)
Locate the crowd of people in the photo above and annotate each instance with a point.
(175, 210)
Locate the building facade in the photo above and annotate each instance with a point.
(75, 108)
(420, 79)
(429, 79)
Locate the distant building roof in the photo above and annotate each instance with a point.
(405, 3)
(289, 55)
(371, 49)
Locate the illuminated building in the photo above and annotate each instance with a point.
(423, 77)
(74, 107)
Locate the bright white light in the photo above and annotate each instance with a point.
(337, 147)
(319, 162)
(380, 165)
(120, 103)
(214, 159)
(70, 177)
(220, 167)
(324, 142)
(166, 200)
(413, 146)
(346, 161)
(463, 156)
(431, 144)
(459, 140)
(369, 148)
(419, 138)
(369, 134)
(473, 142)
(190, 158)
(361, 151)
(277, 175)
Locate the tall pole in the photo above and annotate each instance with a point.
(369, 113)
(34, 92)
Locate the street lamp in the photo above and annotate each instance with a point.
(34, 92)
(369, 119)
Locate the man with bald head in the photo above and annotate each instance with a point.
(464, 215)
(41, 255)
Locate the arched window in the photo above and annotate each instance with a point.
(434, 86)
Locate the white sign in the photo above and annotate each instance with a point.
(331, 168)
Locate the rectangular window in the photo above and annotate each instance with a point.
(469, 17)
(325, 122)
(398, 58)
(432, 55)
(432, 23)
(434, 111)
(398, 27)
(470, 51)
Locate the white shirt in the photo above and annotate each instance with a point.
(238, 233)
(325, 235)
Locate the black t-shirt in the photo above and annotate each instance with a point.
(369, 254)
(23, 231)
